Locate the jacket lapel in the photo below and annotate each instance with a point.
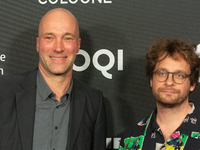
(25, 101)
(77, 108)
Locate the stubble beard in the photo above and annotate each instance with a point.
(47, 67)
(170, 101)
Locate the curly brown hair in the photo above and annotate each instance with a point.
(173, 48)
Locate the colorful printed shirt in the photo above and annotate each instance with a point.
(146, 135)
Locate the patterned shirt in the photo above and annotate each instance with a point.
(146, 135)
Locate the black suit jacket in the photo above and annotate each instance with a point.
(87, 126)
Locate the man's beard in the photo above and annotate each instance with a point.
(170, 101)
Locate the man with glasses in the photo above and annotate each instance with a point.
(173, 69)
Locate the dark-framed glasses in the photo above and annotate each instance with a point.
(162, 75)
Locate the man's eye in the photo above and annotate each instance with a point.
(180, 75)
(68, 38)
(161, 73)
(48, 38)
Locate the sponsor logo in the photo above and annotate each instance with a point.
(74, 1)
(2, 59)
(112, 143)
(104, 69)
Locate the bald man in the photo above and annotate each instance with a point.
(47, 109)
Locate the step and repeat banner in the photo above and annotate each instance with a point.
(115, 35)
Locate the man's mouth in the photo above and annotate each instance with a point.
(168, 90)
(58, 58)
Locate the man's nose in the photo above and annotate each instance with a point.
(170, 80)
(58, 46)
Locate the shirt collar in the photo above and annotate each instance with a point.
(44, 89)
(152, 125)
(191, 121)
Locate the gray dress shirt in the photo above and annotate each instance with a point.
(51, 118)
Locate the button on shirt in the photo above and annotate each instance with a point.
(51, 118)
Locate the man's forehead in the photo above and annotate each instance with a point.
(175, 63)
(58, 15)
(58, 20)
(58, 26)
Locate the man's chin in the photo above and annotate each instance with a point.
(166, 104)
(60, 72)
(169, 103)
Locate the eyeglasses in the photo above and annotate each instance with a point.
(162, 75)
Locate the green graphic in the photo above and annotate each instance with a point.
(133, 143)
(195, 135)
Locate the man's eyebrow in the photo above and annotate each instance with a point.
(179, 70)
(48, 33)
(67, 33)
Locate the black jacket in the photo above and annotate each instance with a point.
(87, 126)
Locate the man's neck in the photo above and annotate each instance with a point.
(169, 119)
(59, 84)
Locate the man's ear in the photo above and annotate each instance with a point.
(79, 45)
(151, 82)
(192, 87)
(37, 44)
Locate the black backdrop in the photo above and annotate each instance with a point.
(115, 35)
